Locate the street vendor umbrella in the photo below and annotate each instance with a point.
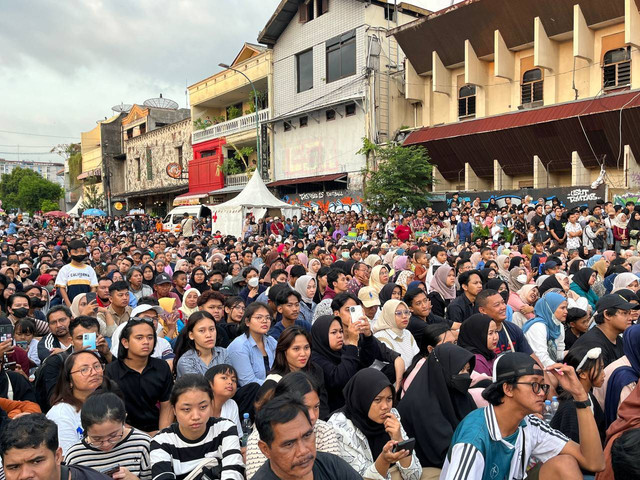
(94, 212)
(56, 213)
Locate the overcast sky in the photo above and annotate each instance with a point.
(64, 64)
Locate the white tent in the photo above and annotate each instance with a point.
(228, 217)
(74, 211)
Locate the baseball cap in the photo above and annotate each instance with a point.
(145, 308)
(550, 264)
(368, 297)
(512, 365)
(614, 301)
(162, 278)
(24, 266)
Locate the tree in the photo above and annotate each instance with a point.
(48, 206)
(400, 177)
(25, 189)
(91, 198)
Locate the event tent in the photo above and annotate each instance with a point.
(228, 217)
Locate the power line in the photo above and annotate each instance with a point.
(36, 134)
(26, 153)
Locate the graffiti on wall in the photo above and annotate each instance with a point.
(333, 201)
(626, 197)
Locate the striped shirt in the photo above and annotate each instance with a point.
(132, 453)
(173, 456)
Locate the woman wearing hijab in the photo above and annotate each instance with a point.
(379, 277)
(503, 262)
(522, 303)
(400, 263)
(403, 280)
(443, 385)
(189, 303)
(478, 335)
(78, 305)
(442, 289)
(368, 426)
(314, 266)
(545, 332)
(620, 232)
(626, 280)
(391, 329)
(198, 279)
(517, 279)
(306, 287)
(148, 274)
(372, 260)
(390, 291)
(582, 282)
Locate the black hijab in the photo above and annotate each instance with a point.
(575, 267)
(200, 286)
(144, 280)
(473, 335)
(386, 292)
(515, 262)
(433, 426)
(549, 283)
(320, 338)
(359, 393)
(581, 278)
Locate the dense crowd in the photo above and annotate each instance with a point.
(480, 341)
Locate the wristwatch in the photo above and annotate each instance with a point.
(584, 404)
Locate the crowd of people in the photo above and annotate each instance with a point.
(480, 341)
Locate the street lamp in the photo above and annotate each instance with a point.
(255, 99)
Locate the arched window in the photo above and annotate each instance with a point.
(467, 102)
(532, 86)
(617, 68)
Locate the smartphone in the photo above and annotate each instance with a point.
(6, 332)
(356, 313)
(111, 470)
(23, 344)
(91, 297)
(405, 445)
(89, 340)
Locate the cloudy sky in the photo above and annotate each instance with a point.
(64, 64)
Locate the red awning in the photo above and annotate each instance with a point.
(317, 179)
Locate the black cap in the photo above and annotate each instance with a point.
(512, 365)
(614, 300)
(549, 264)
(162, 278)
(629, 296)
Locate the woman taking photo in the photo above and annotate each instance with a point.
(368, 427)
(479, 335)
(180, 448)
(108, 441)
(442, 289)
(196, 350)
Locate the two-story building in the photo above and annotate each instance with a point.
(338, 79)
(513, 94)
(227, 127)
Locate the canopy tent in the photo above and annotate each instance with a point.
(76, 208)
(228, 217)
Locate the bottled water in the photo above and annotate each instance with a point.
(247, 427)
(548, 411)
(555, 404)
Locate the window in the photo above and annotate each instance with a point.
(149, 165)
(390, 12)
(350, 109)
(139, 169)
(331, 115)
(129, 133)
(306, 11)
(532, 86)
(143, 129)
(208, 153)
(304, 70)
(287, 126)
(304, 121)
(341, 56)
(467, 102)
(179, 153)
(323, 7)
(617, 68)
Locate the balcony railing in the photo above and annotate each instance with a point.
(240, 124)
(235, 180)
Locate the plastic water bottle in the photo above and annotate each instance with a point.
(555, 404)
(548, 411)
(247, 427)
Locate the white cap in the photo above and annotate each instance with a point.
(145, 308)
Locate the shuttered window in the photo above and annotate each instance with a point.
(532, 86)
(617, 68)
(467, 102)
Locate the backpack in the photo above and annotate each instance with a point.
(39, 385)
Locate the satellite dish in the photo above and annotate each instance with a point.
(122, 108)
(161, 103)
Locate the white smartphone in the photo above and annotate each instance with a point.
(356, 313)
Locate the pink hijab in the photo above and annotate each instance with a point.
(439, 282)
(609, 255)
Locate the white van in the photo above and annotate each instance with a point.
(171, 222)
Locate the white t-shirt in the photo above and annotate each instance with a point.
(69, 425)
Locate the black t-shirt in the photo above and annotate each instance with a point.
(325, 467)
(596, 338)
(557, 226)
(517, 337)
(460, 309)
(21, 387)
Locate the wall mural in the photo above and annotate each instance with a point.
(626, 197)
(333, 201)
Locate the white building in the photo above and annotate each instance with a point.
(337, 78)
(51, 171)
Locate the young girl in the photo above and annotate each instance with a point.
(196, 350)
(180, 448)
(479, 336)
(577, 324)
(23, 334)
(224, 383)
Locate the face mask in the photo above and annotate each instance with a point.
(541, 227)
(522, 278)
(20, 312)
(253, 282)
(78, 258)
(38, 303)
(49, 288)
(461, 382)
(345, 254)
(505, 295)
(216, 286)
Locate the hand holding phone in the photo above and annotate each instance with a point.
(408, 445)
(356, 313)
(89, 341)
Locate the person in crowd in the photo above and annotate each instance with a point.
(189, 303)
(196, 350)
(515, 394)
(213, 302)
(59, 339)
(179, 449)
(371, 301)
(234, 308)
(107, 440)
(336, 284)
(421, 314)
(442, 384)
(76, 276)
(390, 291)
(17, 307)
(223, 379)
(288, 307)
(118, 311)
(137, 286)
(510, 336)
(442, 289)
(545, 332)
(581, 284)
(145, 381)
(306, 287)
(391, 329)
(464, 305)
(522, 302)
(379, 277)
(479, 336)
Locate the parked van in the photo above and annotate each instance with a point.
(171, 222)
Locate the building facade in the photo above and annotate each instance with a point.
(48, 170)
(339, 79)
(526, 95)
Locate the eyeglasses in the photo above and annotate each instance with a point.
(239, 307)
(592, 354)
(261, 318)
(403, 313)
(536, 386)
(86, 371)
(111, 439)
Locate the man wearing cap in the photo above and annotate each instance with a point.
(162, 288)
(498, 441)
(370, 303)
(612, 318)
(277, 227)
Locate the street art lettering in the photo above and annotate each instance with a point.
(578, 195)
(622, 199)
(333, 201)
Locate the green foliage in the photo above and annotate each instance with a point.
(199, 124)
(49, 206)
(233, 112)
(480, 232)
(25, 189)
(507, 235)
(401, 180)
(91, 198)
(239, 162)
